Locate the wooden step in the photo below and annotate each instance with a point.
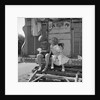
(67, 74)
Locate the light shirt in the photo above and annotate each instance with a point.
(58, 57)
(56, 50)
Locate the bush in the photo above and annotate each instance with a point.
(20, 43)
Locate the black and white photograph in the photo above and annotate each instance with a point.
(49, 49)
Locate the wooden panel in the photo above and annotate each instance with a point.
(77, 34)
(28, 21)
(76, 24)
(76, 39)
(59, 27)
(78, 29)
(77, 46)
(30, 44)
(59, 31)
(67, 47)
(60, 36)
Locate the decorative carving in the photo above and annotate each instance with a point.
(59, 27)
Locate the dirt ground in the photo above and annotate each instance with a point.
(24, 71)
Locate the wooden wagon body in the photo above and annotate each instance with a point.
(73, 73)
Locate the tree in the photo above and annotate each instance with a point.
(21, 39)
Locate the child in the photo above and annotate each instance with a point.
(56, 54)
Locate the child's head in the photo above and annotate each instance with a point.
(54, 41)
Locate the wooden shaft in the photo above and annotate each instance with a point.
(55, 77)
(37, 78)
(32, 76)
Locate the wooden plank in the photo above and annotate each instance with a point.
(67, 74)
(38, 78)
(77, 34)
(78, 29)
(54, 77)
(73, 69)
(76, 24)
(60, 36)
(68, 79)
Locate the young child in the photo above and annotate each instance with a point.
(58, 57)
(56, 54)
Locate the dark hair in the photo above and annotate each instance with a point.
(61, 44)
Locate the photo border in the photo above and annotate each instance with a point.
(16, 42)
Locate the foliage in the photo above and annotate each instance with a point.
(20, 43)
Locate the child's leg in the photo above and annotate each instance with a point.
(52, 62)
(47, 56)
(63, 68)
(64, 60)
(39, 60)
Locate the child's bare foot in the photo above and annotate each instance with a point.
(52, 67)
(45, 69)
(63, 68)
(39, 69)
